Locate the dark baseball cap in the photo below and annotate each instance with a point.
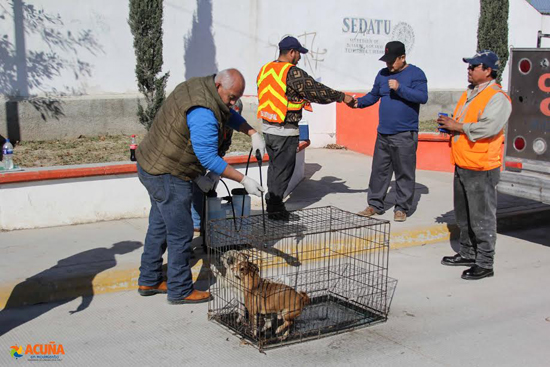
(485, 57)
(291, 43)
(392, 51)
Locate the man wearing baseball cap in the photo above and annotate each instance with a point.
(284, 90)
(401, 87)
(477, 126)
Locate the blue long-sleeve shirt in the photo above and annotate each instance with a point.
(204, 129)
(398, 109)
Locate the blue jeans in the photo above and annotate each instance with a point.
(170, 227)
(196, 208)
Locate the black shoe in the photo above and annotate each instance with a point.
(477, 272)
(457, 260)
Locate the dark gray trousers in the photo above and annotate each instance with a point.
(475, 201)
(395, 153)
(282, 160)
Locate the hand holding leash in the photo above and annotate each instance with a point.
(258, 144)
(251, 186)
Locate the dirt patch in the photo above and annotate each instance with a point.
(335, 146)
(428, 126)
(113, 148)
(98, 149)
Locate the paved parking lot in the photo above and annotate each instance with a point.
(436, 319)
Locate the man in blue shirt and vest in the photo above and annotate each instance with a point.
(401, 87)
(183, 142)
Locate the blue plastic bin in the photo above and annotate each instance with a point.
(303, 127)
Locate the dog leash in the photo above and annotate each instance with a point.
(259, 158)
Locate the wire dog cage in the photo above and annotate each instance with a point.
(275, 283)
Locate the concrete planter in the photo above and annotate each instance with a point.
(356, 130)
(56, 196)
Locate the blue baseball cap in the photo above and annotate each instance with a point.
(485, 57)
(291, 43)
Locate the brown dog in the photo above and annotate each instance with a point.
(229, 260)
(263, 297)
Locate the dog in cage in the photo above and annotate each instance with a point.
(228, 260)
(263, 297)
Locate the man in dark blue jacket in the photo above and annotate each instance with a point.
(402, 88)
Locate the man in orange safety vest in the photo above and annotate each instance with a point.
(284, 90)
(476, 146)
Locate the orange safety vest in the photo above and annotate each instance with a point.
(273, 103)
(484, 154)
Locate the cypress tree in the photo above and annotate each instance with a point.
(146, 26)
(492, 30)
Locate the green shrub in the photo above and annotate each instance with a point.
(146, 26)
(492, 30)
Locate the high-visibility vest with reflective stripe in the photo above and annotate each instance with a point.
(483, 154)
(272, 101)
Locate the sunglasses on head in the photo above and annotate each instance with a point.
(472, 67)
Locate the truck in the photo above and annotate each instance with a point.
(526, 163)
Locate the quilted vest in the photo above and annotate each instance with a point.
(167, 146)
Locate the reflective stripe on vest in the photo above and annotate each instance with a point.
(483, 154)
(273, 103)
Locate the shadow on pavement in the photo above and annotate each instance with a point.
(533, 227)
(311, 191)
(51, 285)
(529, 226)
(419, 190)
(199, 253)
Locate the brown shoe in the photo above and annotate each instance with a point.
(368, 212)
(145, 290)
(195, 297)
(399, 216)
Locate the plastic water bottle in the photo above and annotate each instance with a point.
(7, 152)
(133, 147)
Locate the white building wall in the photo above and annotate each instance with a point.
(205, 35)
(61, 59)
(524, 22)
(546, 29)
(322, 125)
